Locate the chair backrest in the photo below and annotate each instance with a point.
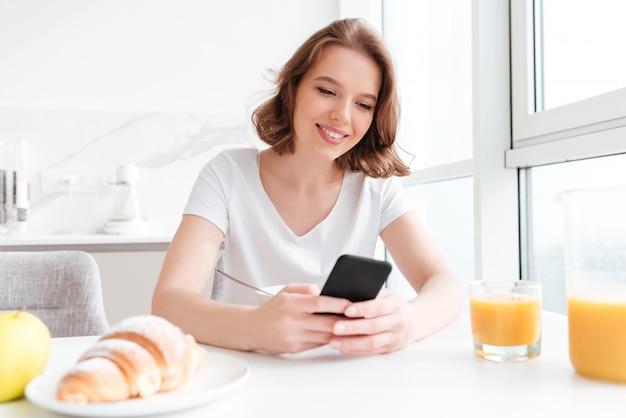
(62, 288)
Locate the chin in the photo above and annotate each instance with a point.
(331, 155)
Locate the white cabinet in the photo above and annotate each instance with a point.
(128, 279)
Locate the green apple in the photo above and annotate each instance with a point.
(24, 351)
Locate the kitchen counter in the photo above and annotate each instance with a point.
(85, 242)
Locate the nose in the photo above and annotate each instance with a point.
(341, 112)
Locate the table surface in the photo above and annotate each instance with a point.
(438, 376)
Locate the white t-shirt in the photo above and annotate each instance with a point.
(261, 250)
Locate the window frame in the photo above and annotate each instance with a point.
(587, 128)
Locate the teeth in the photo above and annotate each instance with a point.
(331, 134)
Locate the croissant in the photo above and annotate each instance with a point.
(138, 357)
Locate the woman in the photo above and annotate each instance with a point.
(326, 186)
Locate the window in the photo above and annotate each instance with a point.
(569, 119)
(581, 46)
(452, 74)
(553, 115)
(431, 47)
(535, 113)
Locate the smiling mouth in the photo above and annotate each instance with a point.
(333, 136)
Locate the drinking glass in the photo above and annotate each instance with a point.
(506, 319)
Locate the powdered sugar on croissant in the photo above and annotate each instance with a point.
(138, 357)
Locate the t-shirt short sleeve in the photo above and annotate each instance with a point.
(209, 195)
(395, 201)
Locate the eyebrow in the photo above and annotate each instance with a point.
(336, 83)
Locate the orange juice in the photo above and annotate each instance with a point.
(505, 319)
(597, 338)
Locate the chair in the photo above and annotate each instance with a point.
(61, 287)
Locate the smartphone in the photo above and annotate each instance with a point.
(356, 278)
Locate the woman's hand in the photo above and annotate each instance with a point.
(287, 323)
(377, 326)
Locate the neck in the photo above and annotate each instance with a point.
(299, 171)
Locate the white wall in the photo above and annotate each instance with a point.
(92, 84)
(207, 56)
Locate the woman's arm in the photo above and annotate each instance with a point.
(440, 297)
(284, 324)
(188, 264)
(389, 322)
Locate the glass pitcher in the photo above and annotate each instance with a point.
(595, 273)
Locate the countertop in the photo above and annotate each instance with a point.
(86, 242)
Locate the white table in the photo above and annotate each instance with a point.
(438, 376)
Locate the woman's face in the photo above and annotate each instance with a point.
(335, 102)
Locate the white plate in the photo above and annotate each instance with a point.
(219, 374)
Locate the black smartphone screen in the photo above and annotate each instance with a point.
(356, 278)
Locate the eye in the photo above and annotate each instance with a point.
(325, 91)
(365, 106)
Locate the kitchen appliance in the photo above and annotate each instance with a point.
(127, 216)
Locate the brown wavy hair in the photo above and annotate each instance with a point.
(375, 154)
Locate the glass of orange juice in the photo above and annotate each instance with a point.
(506, 319)
(595, 271)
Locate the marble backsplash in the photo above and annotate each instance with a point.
(169, 148)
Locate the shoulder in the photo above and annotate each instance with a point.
(235, 156)
(373, 184)
(228, 166)
(232, 159)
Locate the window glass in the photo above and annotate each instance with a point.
(431, 45)
(446, 209)
(546, 217)
(582, 49)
